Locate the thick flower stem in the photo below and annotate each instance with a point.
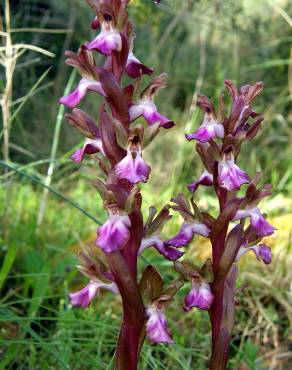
(222, 320)
(129, 344)
(131, 333)
(220, 338)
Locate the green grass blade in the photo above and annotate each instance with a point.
(53, 191)
(7, 263)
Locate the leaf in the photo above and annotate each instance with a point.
(115, 96)
(82, 122)
(151, 284)
(205, 104)
(231, 89)
(109, 140)
(101, 188)
(160, 220)
(111, 365)
(8, 262)
(236, 110)
(40, 286)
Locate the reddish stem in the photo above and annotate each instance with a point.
(129, 343)
(124, 267)
(216, 310)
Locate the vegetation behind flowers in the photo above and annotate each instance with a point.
(38, 328)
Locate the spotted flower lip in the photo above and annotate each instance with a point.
(146, 108)
(208, 130)
(156, 326)
(75, 97)
(91, 146)
(170, 253)
(135, 68)
(230, 176)
(107, 41)
(114, 233)
(133, 168)
(200, 296)
(258, 222)
(84, 297)
(205, 179)
(262, 252)
(187, 232)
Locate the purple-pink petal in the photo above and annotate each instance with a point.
(202, 134)
(83, 297)
(205, 179)
(74, 98)
(114, 233)
(182, 238)
(200, 296)
(91, 146)
(186, 234)
(261, 251)
(265, 253)
(230, 176)
(208, 130)
(107, 41)
(135, 68)
(261, 225)
(133, 168)
(153, 117)
(156, 327)
(167, 251)
(258, 222)
(148, 110)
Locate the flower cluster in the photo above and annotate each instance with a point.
(128, 122)
(239, 225)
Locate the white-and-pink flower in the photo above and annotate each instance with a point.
(114, 233)
(200, 296)
(84, 297)
(108, 40)
(91, 146)
(230, 176)
(85, 85)
(208, 130)
(156, 326)
(133, 167)
(146, 108)
(257, 221)
(187, 232)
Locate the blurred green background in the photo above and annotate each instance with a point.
(198, 43)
